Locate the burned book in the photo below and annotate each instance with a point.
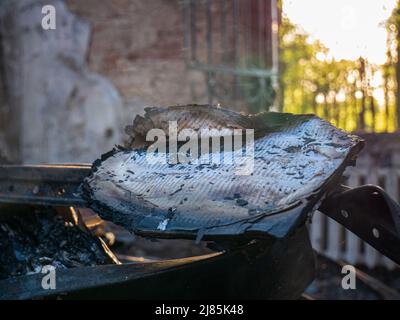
(259, 188)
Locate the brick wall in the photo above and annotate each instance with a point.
(138, 45)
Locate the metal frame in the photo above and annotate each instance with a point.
(370, 213)
(257, 270)
(55, 185)
(367, 211)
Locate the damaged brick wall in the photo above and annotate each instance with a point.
(138, 45)
(70, 91)
(59, 110)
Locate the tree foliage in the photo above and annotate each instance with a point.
(354, 95)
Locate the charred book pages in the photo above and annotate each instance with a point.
(258, 187)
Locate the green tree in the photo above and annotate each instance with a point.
(391, 69)
(311, 81)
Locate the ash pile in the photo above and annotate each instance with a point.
(31, 238)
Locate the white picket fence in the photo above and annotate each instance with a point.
(334, 241)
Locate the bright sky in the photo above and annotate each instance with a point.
(349, 28)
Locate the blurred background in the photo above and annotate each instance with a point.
(67, 93)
